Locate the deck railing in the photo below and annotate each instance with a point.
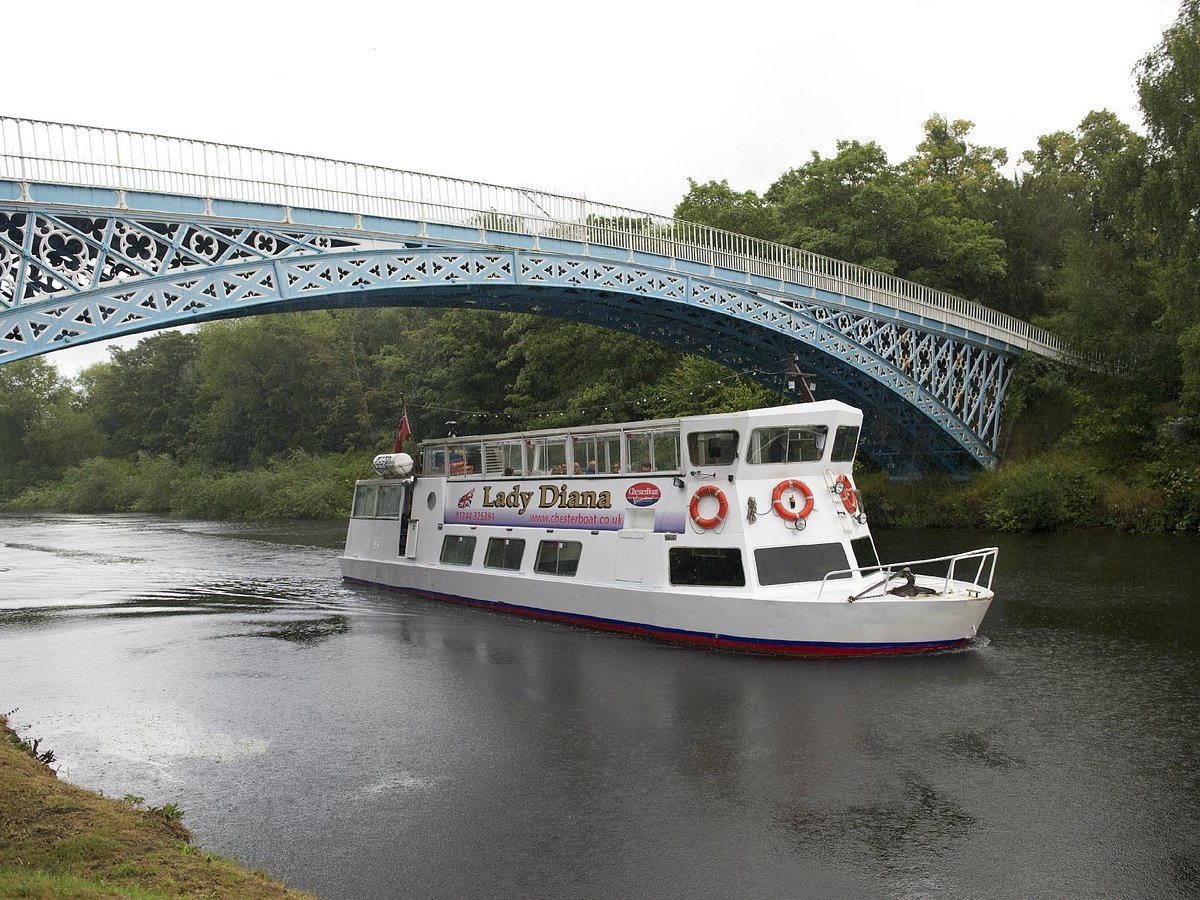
(49, 152)
(984, 558)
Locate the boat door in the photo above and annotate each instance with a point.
(631, 557)
(405, 520)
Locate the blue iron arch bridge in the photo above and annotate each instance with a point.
(105, 233)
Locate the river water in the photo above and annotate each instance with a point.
(364, 744)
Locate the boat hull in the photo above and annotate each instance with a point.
(789, 627)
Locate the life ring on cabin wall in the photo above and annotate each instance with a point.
(845, 487)
(708, 490)
(787, 511)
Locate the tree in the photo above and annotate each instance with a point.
(852, 206)
(1167, 88)
(43, 430)
(719, 206)
(144, 398)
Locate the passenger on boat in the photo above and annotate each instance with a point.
(591, 467)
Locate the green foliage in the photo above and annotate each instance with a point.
(717, 205)
(42, 429)
(1174, 487)
(1045, 494)
(144, 398)
(172, 812)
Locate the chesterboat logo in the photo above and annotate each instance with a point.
(643, 494)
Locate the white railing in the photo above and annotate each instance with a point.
(48, 152)
(985, 559)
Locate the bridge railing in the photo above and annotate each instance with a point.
(54, 153)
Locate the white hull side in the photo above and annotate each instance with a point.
(730, 618)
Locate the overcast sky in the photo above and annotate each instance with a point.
(619, 102)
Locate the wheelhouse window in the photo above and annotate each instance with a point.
(504, 553)
(712, 448)
(787, 444)
(364, 501)
(458, 549)
(845, 443)
(390, 498)
(710, 566)
(558, 558)
(800, 562)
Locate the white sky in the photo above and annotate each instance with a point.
(619, 102)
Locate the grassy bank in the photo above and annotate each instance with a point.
(58, 840)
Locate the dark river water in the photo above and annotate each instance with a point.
(363, 744)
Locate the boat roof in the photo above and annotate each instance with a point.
(789, 413)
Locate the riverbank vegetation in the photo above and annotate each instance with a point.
(1092, 234)
(58, 840)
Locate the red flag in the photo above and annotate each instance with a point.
(404, 433)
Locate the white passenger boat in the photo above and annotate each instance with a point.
(739, 530)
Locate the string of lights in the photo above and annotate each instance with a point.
(610, 405)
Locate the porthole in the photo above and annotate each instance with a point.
(431, 500)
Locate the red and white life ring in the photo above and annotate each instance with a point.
(845, 487)
(788, 511)
(708, 490)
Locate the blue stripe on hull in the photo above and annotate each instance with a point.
(681, 636)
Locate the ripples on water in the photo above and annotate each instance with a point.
(367, 744)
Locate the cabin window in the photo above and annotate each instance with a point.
(845, 442)
(458, 549)
(504, 553)
(548, 456)
(598, 454)
(712, 448)
(364, 501)
(653, 451)
(787, 444)
(434, 461)
(800, 562)
(390, 498)
(465, 459)
(864, 552)
(711, 566)
(558, 558)
(504, 458)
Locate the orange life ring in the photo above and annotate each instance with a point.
(849, 496)
(790, 513)
(708, 490)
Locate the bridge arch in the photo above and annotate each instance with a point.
(90, 252)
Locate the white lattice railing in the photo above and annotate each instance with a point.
(48, 152)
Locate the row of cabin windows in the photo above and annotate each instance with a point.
(707, 566)
(638, 451)
(553, 557)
